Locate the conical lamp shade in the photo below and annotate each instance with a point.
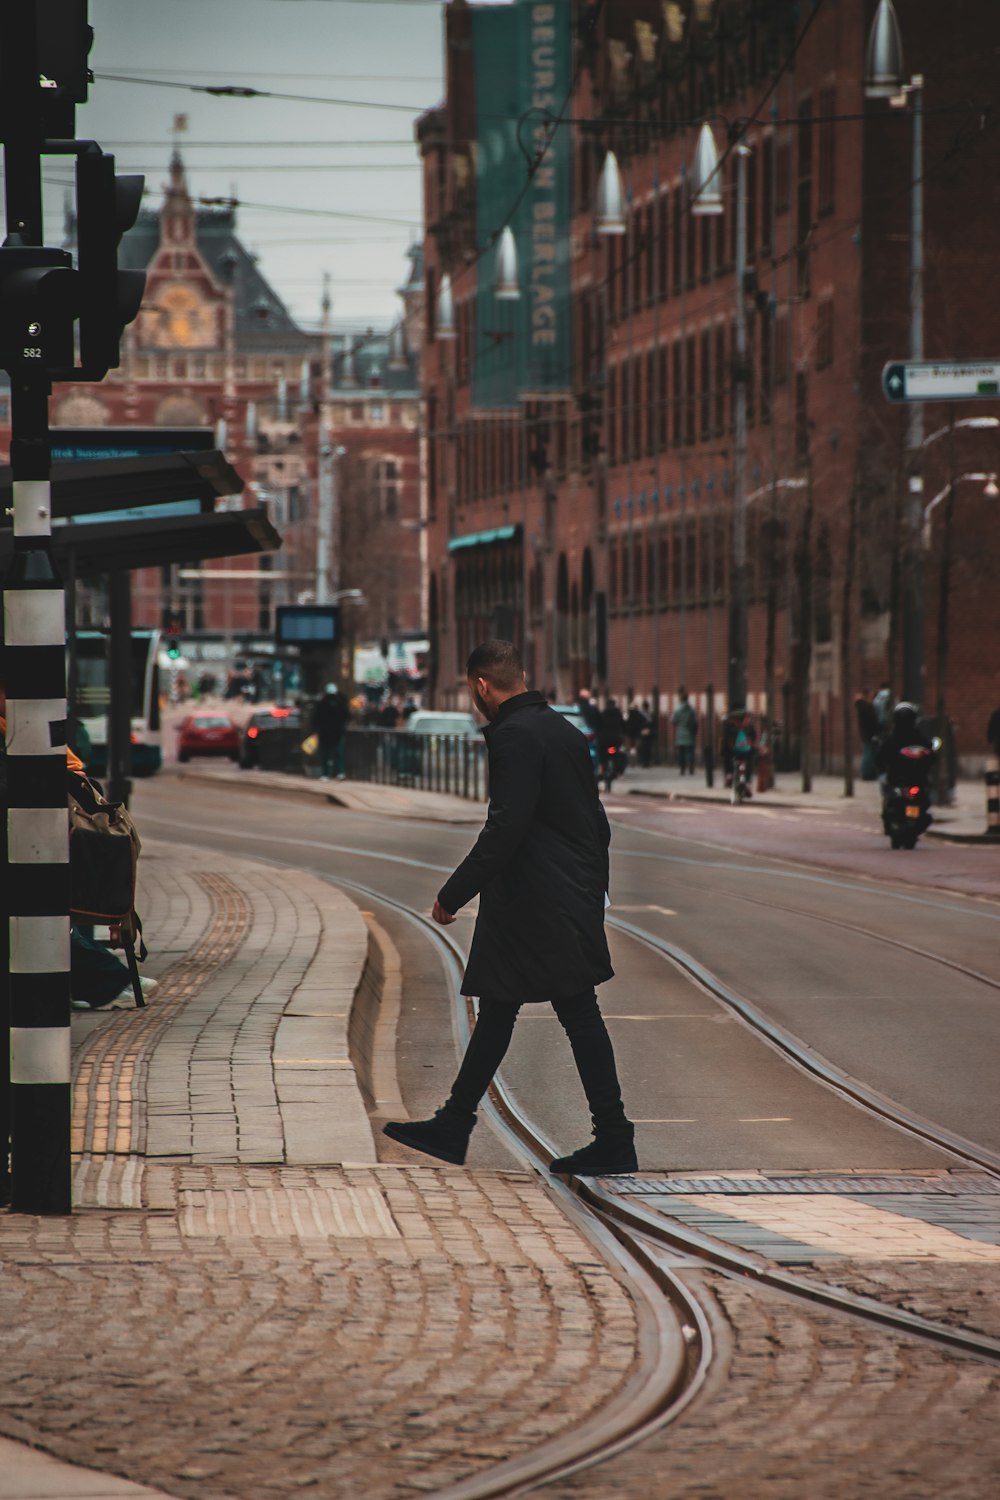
(706, 179)
(444, 323)
(609, 212)
(505, 287)
(884, 67)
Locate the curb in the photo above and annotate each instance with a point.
(706, 799)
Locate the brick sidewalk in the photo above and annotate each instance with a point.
(244, 1302)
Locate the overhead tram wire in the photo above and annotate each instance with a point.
(238, 91)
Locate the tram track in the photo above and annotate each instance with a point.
(658, 1253)
(664, 1262)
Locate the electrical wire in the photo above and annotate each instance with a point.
(238, 91)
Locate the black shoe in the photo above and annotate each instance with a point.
(608, 1155)
(445, 1135)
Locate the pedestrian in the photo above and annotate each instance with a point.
(589, 710)
(993, 732)
(540, 869)
(882, 703)
(868, 730)
(639, 730)
(685, 722)
(329, 723)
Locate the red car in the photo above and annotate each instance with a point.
(207, 734)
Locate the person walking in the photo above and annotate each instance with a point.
(329, 722)
(639, 729)
(868, 730)
(685, 722)
(540, 869)
(610, 739)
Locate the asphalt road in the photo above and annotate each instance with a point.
(830, 954)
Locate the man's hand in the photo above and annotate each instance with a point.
(442, 917)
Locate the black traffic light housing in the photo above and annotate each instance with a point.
(107, 204)
(64, 43)
(39, 301)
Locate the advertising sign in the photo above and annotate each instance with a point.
(523, 348)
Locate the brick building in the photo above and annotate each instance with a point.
(596, 526)
(214, 346)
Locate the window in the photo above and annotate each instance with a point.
(663, 425)
(677, 387)
(801, 416)
(705, 386)
(652, 415)
(690, 361)
(678, 240)
(782, 350)
(803, 224)
(613, 415)
(721, 381)
(782, 176)
(824, 333)
(767, 196)
(751, 167)
(827, 148)
(663, 243)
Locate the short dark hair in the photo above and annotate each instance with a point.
(499, 662)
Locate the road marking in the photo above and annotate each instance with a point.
(767, 1120)
(679, 1120)
(665, 911)
(845, 1227)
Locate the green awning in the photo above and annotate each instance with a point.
(484, 538)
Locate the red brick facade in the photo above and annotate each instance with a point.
(624, 488)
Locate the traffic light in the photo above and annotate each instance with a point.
(106, 205)
(64, 43)
(39, 300)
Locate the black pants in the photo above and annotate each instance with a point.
(593, 1054)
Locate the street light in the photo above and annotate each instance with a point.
(444, 318)
(884, 80)
(505, 287)
(609, 207)
(707, 199)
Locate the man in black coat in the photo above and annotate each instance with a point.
(330, 718)
(540, 869)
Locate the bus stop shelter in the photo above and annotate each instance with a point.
(112, 516)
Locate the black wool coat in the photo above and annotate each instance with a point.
(540, 865)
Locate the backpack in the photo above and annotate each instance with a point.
(741, 744)
(103, 855)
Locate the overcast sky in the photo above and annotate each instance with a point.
(328, 158)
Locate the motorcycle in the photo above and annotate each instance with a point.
(614, 764)
(906, 809)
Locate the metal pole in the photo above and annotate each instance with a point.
(913, 580)
(120, 685)
(944, 589)
(37, 881)
(737, 685)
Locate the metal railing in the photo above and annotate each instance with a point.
(450, 763)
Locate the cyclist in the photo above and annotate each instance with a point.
(739, 744)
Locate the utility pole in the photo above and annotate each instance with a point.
(37, 880)
(43, 75)
(738, 639)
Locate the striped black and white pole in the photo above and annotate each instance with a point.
(993, 796)
(37, 877)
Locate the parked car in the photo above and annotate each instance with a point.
(572, 713)
(430, 721)
(207, 734)
(271, 739)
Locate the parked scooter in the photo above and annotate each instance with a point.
(906, 810)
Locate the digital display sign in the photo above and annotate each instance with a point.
(307, 625)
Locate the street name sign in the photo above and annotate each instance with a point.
(950, 380)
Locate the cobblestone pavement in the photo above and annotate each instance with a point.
(811, 1406)
(246, 1304)
(345, 1332)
